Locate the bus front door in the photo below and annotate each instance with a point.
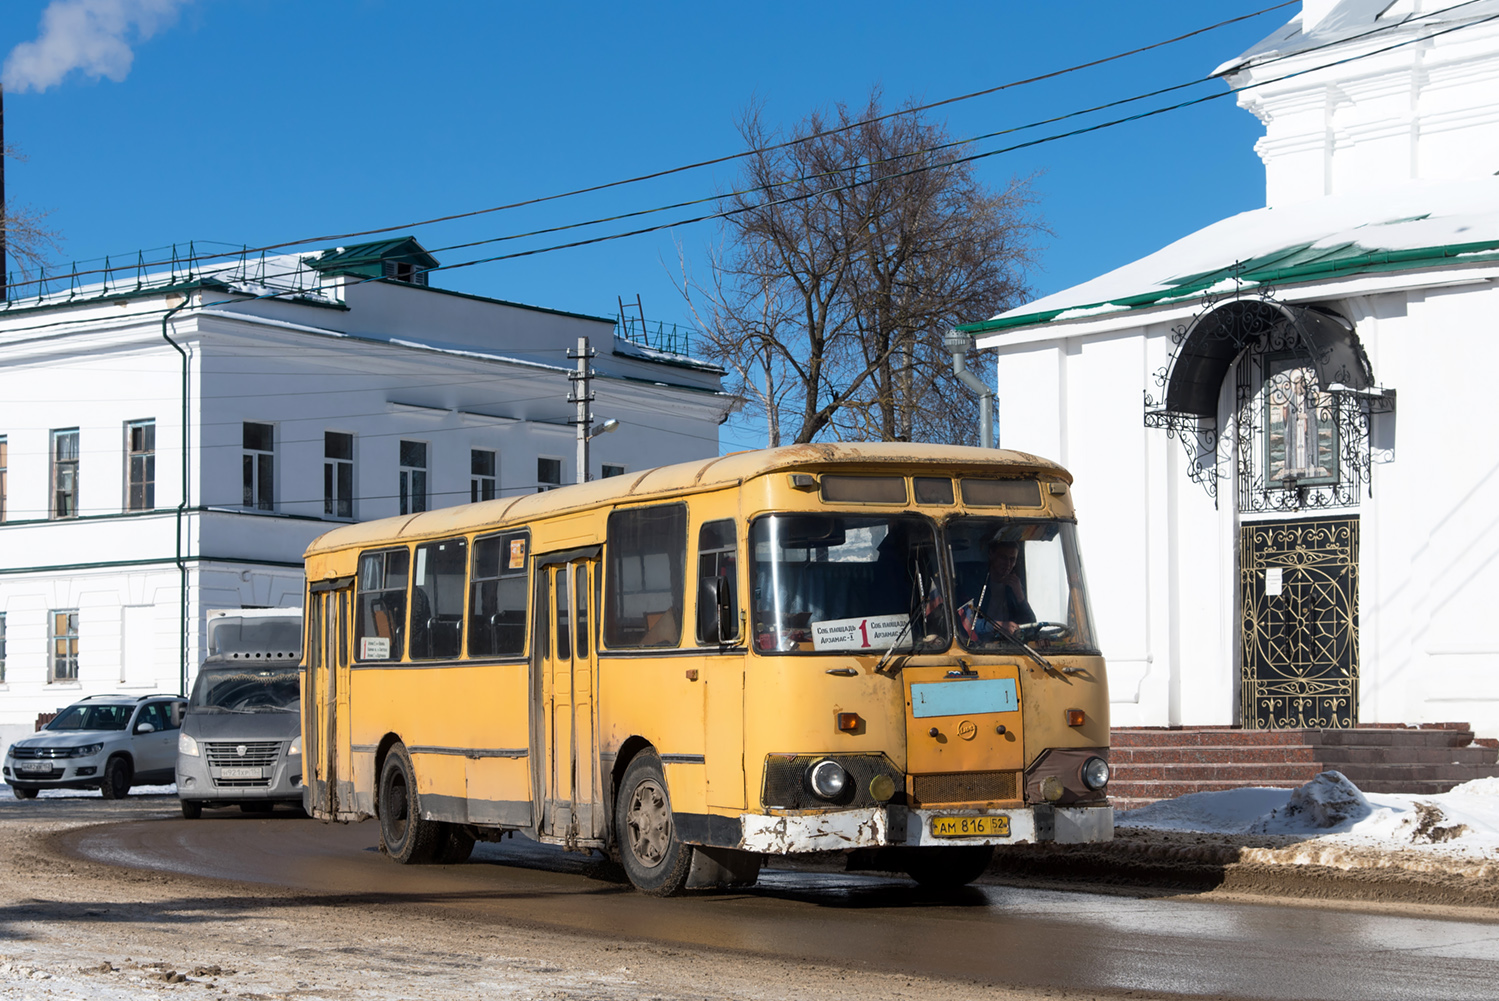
(325, 731)
(572, 810)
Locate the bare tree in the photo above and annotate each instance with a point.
(24, 237)
(851, 245)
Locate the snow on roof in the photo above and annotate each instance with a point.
(1352, 18)
(1395, 229)
(1331, 809)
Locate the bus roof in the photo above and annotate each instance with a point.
(683, 477)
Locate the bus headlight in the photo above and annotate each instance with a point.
(187, 745)
(1095, 773)
(827, 778)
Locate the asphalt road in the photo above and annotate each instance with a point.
(988, 934)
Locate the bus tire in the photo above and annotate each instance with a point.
(116, 781)
(946, 868)
(653, 857)
(192, 809)
(454, 846)
(408, 838)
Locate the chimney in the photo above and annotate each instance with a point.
(1314, 12)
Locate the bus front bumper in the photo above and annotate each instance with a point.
(882, 826)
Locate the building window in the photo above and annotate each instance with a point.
(548, 474)
(140, 466)
(4, 449)
(65, 474)
(481, 480)
(259, 465)
(338, 474)
(63, 638)
(613, 471)
(413, 476)
(2, 648)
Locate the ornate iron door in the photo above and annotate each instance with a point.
(1298, 598)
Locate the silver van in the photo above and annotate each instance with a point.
(241, 738)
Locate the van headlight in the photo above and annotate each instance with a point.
(1095, 773)
(296, 745)
(827, 778)
(187, 745)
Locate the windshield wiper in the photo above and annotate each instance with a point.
(915, 609)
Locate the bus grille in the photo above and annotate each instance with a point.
(965, 787)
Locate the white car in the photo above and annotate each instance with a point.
(104, 742)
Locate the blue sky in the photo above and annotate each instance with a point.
(259, 121)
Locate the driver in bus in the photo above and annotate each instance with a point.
(1000, 603)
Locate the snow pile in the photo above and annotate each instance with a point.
(1332, 809)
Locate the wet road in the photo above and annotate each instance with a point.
(995, 934)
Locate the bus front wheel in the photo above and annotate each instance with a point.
(408, 838)
(653, 857)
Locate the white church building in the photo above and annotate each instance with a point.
(1280, 426)
(172, 438)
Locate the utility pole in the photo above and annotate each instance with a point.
(581, 393)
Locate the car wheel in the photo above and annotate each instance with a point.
(653, 857)
(23, 793)
(946, 868)
(407, 838)
(454, 846)
(116, 782)
(192, 809)
(257, 806)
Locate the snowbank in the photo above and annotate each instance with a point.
(1331, 809)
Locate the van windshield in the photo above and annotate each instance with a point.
(842, 583)
(248, 690)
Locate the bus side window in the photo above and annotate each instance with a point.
(497, 599)
(437, 599)
(381, 621)
(718, 557)
(646, 564)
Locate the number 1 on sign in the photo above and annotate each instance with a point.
(864, 631)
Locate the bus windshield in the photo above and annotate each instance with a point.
(839, 583)
(248, 690)
(1018, 580)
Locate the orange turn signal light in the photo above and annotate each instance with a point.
(849, 722)
(1076, 717)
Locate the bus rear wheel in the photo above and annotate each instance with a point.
(408, 838)
(946, 868)
(652, 855)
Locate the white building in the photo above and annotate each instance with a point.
(1272, 540)
(314, 389)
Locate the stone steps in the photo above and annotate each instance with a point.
(1151, 764)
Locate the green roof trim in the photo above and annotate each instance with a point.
(367, 260)
(1298, 263)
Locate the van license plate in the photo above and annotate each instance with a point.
(240, 772)
(970, 827)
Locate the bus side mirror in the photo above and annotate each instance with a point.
(715, 621)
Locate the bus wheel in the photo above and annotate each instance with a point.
(654, 859)
(454, 845)
(947, 867)
(192, 809)
(408, 838)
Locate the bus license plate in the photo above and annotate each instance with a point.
(970, 827)
(240, 772)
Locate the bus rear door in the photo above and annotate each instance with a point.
(326, 769)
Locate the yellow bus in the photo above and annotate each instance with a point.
(879, 649)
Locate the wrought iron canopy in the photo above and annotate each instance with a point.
(1208, 347)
